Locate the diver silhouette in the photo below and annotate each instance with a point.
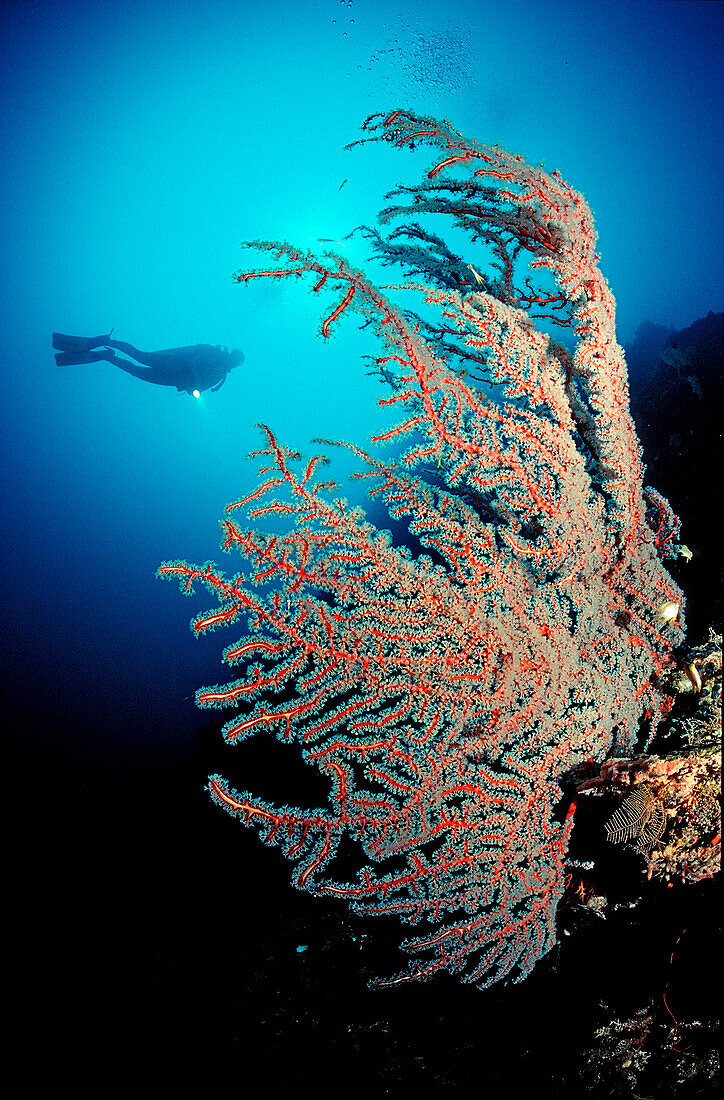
(191, 370)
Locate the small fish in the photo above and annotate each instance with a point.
(694, 678)
(342, 185)
(668, 611)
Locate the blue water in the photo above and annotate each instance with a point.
(141, 143)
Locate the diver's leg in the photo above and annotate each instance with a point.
(148, 374)
(148, 358)
(164, 369)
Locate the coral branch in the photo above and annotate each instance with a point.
(446, 696)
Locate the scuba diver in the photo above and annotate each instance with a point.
(191, 370)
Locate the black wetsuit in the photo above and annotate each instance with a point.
(198, 367)
(191, 370)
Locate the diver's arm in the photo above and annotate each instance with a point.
(218, 385)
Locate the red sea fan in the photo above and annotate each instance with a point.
(445, 699)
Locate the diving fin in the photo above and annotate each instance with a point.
(71, 358)
(79, 343)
